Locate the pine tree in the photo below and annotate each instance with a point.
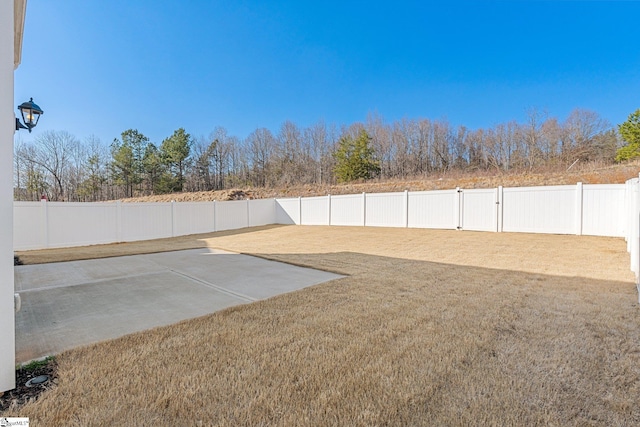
(175, 152)
(355, 158)
(630, 133)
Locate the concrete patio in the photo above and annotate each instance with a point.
(70, 304)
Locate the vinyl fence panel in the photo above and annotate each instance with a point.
(540, 209)
(143, 221)
(603, 210)
(315, 211)
(385, 210)
(347, 210)
(193, 218)
(80, 224)
(262, 212)
(288, 211)
(433, 209)
(231, 215)
(29, 225)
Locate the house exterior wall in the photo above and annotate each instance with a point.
(8, 61)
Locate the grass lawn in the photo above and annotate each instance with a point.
(430, 327)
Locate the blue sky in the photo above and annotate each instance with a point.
(101, 67)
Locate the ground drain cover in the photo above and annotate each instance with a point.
(41, 379)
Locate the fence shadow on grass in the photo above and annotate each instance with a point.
(194, 241)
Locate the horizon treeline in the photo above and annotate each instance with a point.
(63, 168)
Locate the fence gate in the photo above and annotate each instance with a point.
(478, 210)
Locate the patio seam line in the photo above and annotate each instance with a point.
(92, 282)
(216, 287)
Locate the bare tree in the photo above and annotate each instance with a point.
(551, 133)
(581, 130)
(532, 138)
(290, 159)
(53, 152)
(238, 163)
(19, 192)
(261, 146)
(381, 142)
(33, 177)
(220, 150)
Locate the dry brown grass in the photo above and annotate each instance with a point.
(430, 328)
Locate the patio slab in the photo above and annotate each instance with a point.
(70, 304)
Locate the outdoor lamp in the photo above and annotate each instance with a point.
(30, 115)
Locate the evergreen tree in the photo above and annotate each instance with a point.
(121, 166)
(91, 187)
(355, 158)
(153, 168)
(127, 166)
(175, 153)
(630, 133)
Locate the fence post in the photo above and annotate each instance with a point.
(173, 218)
(118, 221)
(406, 208)
(635, 229)
(328, 209)
(248, 214)
(275, 211)
(636, 243)
(458, 209)
(45, 222)
(364, 209)
(579, 209)
(500, 210)
(299, 210)
(629, 217)
(215, 216)
(632, 234)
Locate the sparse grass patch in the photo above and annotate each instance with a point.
(14, 399)
(37, 364)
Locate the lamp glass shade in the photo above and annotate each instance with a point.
(30, 113)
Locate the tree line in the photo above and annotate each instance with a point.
(63, 168)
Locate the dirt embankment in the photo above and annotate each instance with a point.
(616, 174)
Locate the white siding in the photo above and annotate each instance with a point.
(7, 128)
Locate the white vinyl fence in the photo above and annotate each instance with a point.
(632, 224)
(596, 210)
(38, 225)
